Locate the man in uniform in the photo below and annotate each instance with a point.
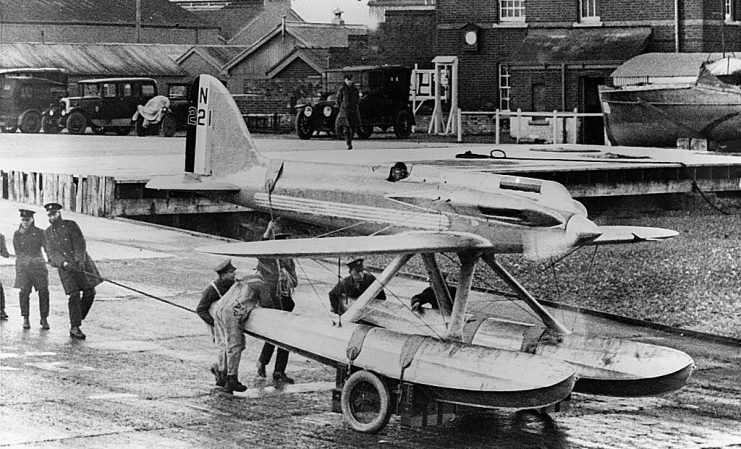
(206, 308)
(230, 314)
(4, 253)
(280, 277)
(427, 296)
(351, 287)
(30, 268)
(348, 117)
(65, 245)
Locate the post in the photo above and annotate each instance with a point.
(496, 126)
(460, 126)
(576, 122)
(519, 116)
(555, 126)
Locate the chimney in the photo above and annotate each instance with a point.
(338, 20)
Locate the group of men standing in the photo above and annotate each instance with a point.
(66, 250)
(225, 306)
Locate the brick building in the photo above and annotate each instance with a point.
(102, 21)
(546, 55)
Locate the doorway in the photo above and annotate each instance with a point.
(593, 131)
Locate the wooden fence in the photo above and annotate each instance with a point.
(87, 194)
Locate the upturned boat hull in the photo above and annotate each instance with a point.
(450, 371)
(657, 116)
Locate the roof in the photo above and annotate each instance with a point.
(316, 58)
(664, 65)
(587, 44)
(216, 55)
(153, 12)
(309, 35)
(97, 60)
(230, 19)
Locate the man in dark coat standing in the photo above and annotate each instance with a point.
(351, 287)
(348, 117)
(4, 253)
(30, 268)
(67, 251)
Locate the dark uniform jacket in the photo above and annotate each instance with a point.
(30, 266)
(347, 288)
(348, 99)
(280, 277)
(211, 295)
(64, 242)
(427, 296)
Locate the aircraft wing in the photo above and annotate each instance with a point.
(405, 243)
(631, 234)
(189, 182)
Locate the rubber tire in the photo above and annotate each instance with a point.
(303, 127)
(76, 123)
(365, 378)
(49, 125)
(364, 132)
(403, 124)
(30, 122)
(123, 130)
(168, 125)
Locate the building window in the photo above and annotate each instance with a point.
(588, 11)
(729, 10)
(512, 10)
(504, 88)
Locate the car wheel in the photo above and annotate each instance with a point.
(76, 123)
(31, 122)
(403, 124)
(123, 130)
(98, 130)
(168, 126)
(364, 132)
(303, 126)
(366, 402)
(49, 125)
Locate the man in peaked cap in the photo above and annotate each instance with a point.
(30, 268)
(351, 287)
(348, 117)
(67, 250)
(206, 310)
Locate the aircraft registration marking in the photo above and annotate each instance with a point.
(415, 219)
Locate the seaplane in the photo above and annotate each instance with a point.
(388, 353)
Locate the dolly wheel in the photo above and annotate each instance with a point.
(366, 402)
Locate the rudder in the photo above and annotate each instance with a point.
(217, 141)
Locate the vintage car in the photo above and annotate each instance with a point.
(384, 102)
(105, 104)
(25, 99)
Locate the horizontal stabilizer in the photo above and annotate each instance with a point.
(406, 243)
(631, 234)
(191, 183)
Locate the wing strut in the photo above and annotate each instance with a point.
(458, 317)
(546, 317)
(439, 285)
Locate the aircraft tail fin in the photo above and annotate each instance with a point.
(218, 142)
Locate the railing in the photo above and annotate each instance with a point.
(554, 117)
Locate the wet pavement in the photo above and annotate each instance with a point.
(141, 378)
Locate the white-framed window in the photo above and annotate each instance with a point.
(728, 10)
(588, 11)
(512, 10)
(504, 88)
